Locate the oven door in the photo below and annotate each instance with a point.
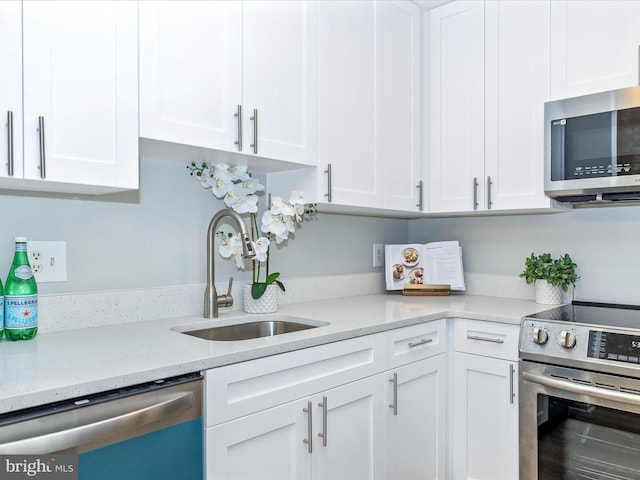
(576, 424)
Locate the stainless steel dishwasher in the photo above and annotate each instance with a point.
(149, 431)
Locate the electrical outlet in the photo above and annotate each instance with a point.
(48, 261)
(378, 255)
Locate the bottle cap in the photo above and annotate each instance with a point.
(21, 239)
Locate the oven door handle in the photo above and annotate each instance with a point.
(603, 393)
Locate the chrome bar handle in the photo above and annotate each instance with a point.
(511, 392)
(323, 434)
(328, 172)
(485, 339)
(419, 204)
(475, 193)
(309, 441)
(421, 342)
(572, 387)
(43, 162)
(254, 145)
(489, 183)
(10, 143)
(239, 115)
(394, 405)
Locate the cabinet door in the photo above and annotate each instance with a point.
(485, 418)
(517, 85)
(350, 102)
(80, 77)
(415, 429)
(351, 445)
(280, 79)
(401, 41)
(594, 46)
(191, 72)
(265, 445)
(11, 88)
(456, 107)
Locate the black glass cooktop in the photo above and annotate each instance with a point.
(590, 313)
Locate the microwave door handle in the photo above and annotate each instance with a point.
(47, 441)
(571, 387)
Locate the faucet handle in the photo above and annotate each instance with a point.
(226, 300)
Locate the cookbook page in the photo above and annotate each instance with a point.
(403, 265)
(443, 264)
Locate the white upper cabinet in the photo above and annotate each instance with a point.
(456, 106)
(80, 103)
(349, 101)
(517, 85)
(402, 93)
(11, 88)
(280, 79)
(191, 72)
(488, 81)
(594, 46)
(206, 67)
(368, 103)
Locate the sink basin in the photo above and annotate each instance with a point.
(246, 328)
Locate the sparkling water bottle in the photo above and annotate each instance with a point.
(1, 310)
(20, 297)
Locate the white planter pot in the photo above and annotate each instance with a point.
(267, 303)
(548, 294)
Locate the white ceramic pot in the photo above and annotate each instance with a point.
(267, 303)
(548, 294)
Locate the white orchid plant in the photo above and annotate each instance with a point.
(240, 192)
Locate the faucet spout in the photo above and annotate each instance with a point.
(212, 301)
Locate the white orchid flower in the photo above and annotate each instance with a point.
(219, 185)
(238, 200)
(251, 186)
(233, 248)
(205, 178)
(273, 224)
(297, 198)
(261, 247)
(238, 173)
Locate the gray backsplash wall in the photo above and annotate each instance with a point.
(604, 242)
(157, 236)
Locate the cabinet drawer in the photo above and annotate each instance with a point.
(410, 344)
(243, 388)
(491, 339)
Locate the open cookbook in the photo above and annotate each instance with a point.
(432, 263)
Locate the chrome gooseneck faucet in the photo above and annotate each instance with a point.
(211, 298)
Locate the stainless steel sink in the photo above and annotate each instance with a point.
(258, 328)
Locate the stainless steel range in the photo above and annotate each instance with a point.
(580, 393)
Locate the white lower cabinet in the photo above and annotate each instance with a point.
(380, 406)
(484, 401)
(333, 434)
(415, 420)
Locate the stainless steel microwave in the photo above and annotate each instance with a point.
(592, 147)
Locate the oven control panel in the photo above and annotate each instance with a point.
(556, 340)
(619, 347)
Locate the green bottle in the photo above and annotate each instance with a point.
(1, 310)
(20, 297)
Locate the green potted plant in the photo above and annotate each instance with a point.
(557, 274)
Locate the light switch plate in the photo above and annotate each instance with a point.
(48, 260)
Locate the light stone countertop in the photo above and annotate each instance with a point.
(68, 364)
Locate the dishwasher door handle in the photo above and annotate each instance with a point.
(47, 441)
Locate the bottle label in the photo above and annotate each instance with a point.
(23, 272)
(20, 312)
